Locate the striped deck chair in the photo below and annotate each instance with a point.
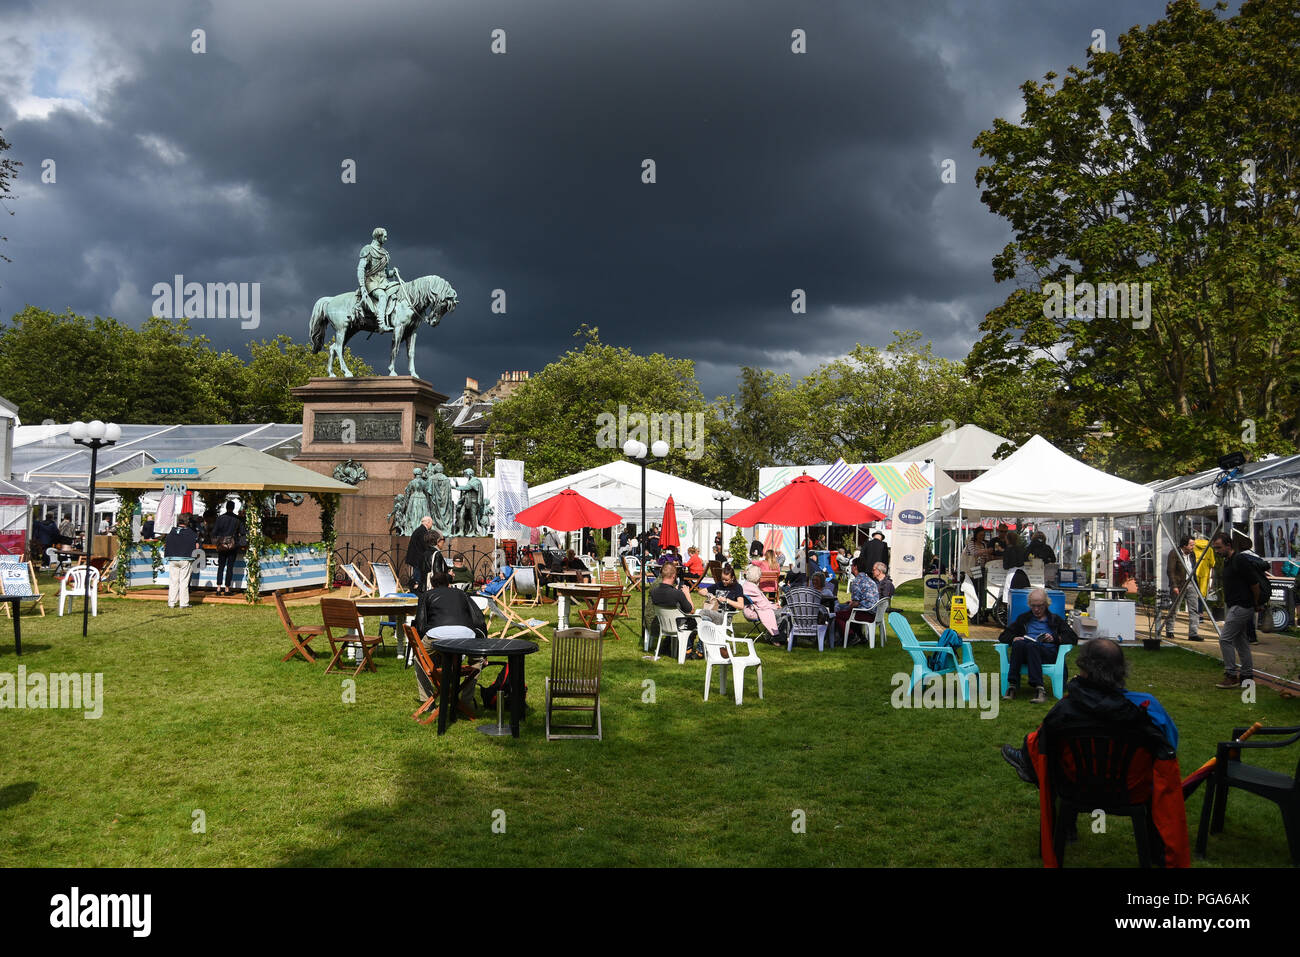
(360, 583)
(498, 607)
(387, 586)
(21, 580)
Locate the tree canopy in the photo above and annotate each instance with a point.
(567, 417)
(66, 367)
(1172, 162)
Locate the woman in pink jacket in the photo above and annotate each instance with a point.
(757, 607)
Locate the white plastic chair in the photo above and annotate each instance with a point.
(858, 616)
(716, 652)
(74, 584)
(669, 624)
(739, 662)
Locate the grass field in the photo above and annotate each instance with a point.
(202, 723)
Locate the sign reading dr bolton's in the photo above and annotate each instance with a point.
(907, 551)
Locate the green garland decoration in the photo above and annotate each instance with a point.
(329, 506)
(156, 558)
(129, 499)
(256, 543)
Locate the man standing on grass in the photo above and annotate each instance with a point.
(1241, 592)
(179, 548)
(1178, 570)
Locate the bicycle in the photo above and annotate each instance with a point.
(994, 605)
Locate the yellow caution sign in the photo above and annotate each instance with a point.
(957, 616)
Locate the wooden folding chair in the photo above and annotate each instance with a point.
(603, 621)
(342, 614)
(610, 576)
(769, 583)
(523, 626)
(424, 661)
(359, 582)
(575, 675)
(300, 635)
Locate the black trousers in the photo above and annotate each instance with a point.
(226, 567)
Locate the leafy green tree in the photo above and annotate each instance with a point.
(754, 428)
(738, 549)
(277, 367)
(446, 447)
(1171, 161)
(67, 367)
(565, 418)
(876, 403)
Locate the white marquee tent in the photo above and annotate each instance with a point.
(1041, 481)
(1038, 480)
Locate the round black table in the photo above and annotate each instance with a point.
(452, 650)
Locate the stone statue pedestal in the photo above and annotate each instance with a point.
(383, 422)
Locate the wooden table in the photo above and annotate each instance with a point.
(592, 595)
(453, 649)
(393, 607)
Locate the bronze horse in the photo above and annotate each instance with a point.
(426, 299)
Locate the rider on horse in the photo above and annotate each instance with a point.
(376, 279)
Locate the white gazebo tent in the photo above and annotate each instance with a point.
(617, 486)
(1041, 481)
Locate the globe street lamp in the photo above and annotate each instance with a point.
(94, 435)
(722, 497)
(637, 450)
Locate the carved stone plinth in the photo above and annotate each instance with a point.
(374, 421)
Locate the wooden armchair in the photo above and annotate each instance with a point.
(576, 660)
(341, 614)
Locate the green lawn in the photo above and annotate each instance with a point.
(201, 715)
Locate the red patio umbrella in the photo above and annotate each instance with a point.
(187, 505)
(668, 534)
(568, 512)
(805, 501)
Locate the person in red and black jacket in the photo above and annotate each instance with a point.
(1096, 699)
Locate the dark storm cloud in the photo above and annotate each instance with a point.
(522, 172)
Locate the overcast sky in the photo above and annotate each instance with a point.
(522, 171)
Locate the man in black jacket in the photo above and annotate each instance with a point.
(446, 612)
(875, 551)
(226, 531)
(1034, 638)
(1241, 592)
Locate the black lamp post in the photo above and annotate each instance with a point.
(94, 435)
(722, 530)
(634, 449)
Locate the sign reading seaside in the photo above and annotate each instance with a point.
(175, 467)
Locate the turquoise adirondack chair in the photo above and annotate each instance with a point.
(1054, 671)
(921, 650)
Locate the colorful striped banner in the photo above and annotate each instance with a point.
(914, 477)
(836, 475)
(775, 482)
(860, 484)
(892, 482)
